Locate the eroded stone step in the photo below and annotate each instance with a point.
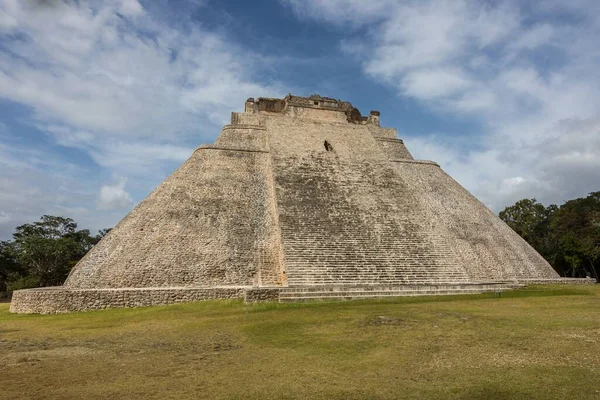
(374, 296)
(349, 292)
(373, 290)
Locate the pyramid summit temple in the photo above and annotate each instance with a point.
(299, 198)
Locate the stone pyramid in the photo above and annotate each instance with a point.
(299, 198)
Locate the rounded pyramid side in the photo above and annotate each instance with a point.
(211, 223)
(487, 248)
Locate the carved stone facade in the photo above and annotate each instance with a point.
(299, 192)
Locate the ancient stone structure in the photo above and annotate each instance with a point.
(299, 198)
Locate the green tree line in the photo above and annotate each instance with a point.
(42, 253)
(567, 236)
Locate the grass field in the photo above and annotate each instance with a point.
(539, 343)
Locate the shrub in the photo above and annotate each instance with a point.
(18, 282)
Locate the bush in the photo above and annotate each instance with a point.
(18, 282)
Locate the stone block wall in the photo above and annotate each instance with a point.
(56, 300)
(394, 149)
(242, 138)
(345, 216)
(299, 192)
(255, 295)
(485, 246)
(212, 222)
(558, 281)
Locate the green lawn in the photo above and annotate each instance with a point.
(539, 343)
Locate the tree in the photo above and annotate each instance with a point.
(8, 265)
(567, 236)
(101, 234)
(49, 248)
(524, 217)
(576, 230)
(43, 253)
(531, 220)
(50, 227)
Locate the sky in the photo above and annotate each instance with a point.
(101, 101)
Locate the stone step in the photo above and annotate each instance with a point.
(399, 275)
(397, 287)
(355, 296)
(324, 276)
(380, 288)
(309, 283)
(392, 272)
(297, 282)
(347, 292)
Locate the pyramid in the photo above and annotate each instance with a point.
(299, 198)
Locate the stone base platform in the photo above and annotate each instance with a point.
(347, 292)
(58, 299)
(558, 281)
(350, 292)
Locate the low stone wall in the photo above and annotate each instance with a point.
(570, 281)
(58, 299)
(261, 294)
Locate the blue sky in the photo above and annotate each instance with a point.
(100, 101)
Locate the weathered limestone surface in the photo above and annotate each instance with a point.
(348, 292)
(299, 198)
(211, 223)
(553, 281)
(254, 295)
(483, 244)
(394, 148)
(346, 217)
(61, 300)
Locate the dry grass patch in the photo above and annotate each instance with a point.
(540, 343)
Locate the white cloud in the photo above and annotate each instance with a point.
(356, 12)
(435, 83)
(4, 217)
(114, 197)
(129, 90)
(120, 154)
(533, 38)
(514, 181)
(131, 8)
(562, 165)
(111, 69)
(35, 183)
(534, 87)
